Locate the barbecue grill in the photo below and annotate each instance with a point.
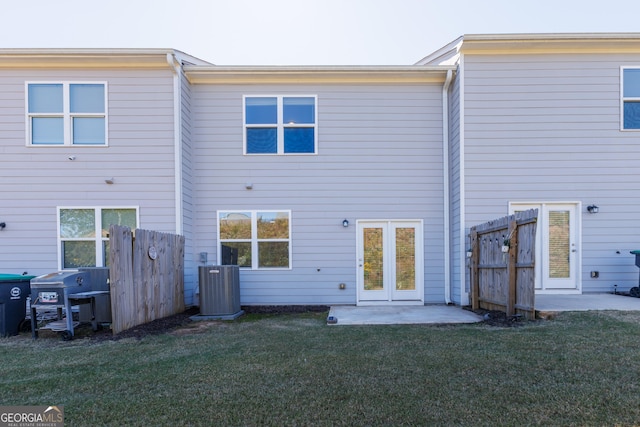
(53, 290)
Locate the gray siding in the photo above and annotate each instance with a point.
(35, 180)
(380, 157)
(546, 128)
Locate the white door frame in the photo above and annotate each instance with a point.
(389, 294)
(545, 284)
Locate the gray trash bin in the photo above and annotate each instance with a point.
(219, 291)
(14, 290)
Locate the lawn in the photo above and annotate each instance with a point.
(577, 369)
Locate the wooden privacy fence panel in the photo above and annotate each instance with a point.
(502, 267)
(146, 276)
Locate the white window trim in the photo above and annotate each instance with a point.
(98, 239)
(280, 126)
(254, 238)
(623, 99)
(66, 113)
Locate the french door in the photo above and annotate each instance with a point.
(390, 261)
(557, 244)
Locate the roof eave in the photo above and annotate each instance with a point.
(84, 58)
(299, 75)
(551, 43)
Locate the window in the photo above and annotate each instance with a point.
(280, 125)
(66, 114)
(631, 98)
(260, 239)
(83, 234)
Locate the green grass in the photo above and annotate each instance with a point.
(579, 369)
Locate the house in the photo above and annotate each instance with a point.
(549, 121)
(331, 185)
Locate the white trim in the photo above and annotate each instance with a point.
(447, 196)
(66, 114)
(280, 125)
(254, 238)
(419, 260)
(177, 141)
(578, 240)
(208, 74)
(464, 295)
(623, 99)
(98, 239)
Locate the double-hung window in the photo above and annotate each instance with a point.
(66, 114)
(260, 239)
(83, 234)
(280, 125)
(630, 98)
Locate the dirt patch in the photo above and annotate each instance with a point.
(155, 327)
(181, 323)
(500, 318)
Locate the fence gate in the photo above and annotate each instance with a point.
(146, 276)
(502, 264)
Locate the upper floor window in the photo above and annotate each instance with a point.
(280, 125)
(83, 234)
(66, 114)
(631, 98)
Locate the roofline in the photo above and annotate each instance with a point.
(551, 36)
(551, 43)
(315, 74)
(450, 49)
(91, 58)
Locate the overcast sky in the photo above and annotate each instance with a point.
(298, 32)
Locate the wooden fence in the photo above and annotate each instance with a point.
(503, 264)
(146, 276)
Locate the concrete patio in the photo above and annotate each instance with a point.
(586, 302)
(449, 314)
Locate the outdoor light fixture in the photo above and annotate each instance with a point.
(593, 209)
(2, 225)
(345, 223)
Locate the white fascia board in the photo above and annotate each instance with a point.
(85, 58)
(551, 43)
(325, 74)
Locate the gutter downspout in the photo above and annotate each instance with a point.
(464, 294)
(177, 138)
(447, 196)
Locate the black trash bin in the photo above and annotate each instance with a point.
(14, 290)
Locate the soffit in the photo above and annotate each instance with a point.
(492, 44)
(84, 58)
(302, 75)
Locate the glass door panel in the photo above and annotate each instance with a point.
(405, 259)
(373, 259)
(559, 245)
